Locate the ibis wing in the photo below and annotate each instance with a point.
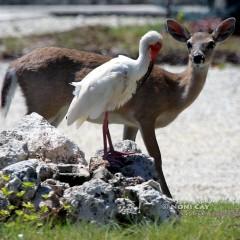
(77, 89)
(96, 91)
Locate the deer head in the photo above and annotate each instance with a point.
(201, 44)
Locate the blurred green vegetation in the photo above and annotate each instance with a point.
(113, 41)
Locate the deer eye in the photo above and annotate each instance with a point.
(211, 45)
(189, 45)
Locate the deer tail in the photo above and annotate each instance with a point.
(8, 90)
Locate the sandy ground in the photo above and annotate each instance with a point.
(201, 149)
(38, 24)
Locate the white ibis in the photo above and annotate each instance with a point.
(111, 85)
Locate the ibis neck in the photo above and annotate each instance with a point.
(143, 60)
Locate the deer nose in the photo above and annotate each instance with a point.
(198, 58)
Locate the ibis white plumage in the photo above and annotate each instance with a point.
(111, 85)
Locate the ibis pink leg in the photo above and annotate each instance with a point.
(105, 136)
(114, 157)
(108, 133)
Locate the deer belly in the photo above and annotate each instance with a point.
(115, 118)
(165, 118)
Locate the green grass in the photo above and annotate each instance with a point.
(94, 38)
(199, 221)
(113, 41)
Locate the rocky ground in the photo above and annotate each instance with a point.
(200, 149)
(42, 169)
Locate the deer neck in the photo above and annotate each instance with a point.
(192, 82)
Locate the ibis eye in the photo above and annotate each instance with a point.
(211, 45)
(189, 45)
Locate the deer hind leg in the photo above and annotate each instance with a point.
(129, 133)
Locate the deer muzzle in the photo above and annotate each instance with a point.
(198, 58)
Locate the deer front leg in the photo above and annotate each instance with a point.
(149, 138)
(129, 133)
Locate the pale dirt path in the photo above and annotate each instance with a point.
(201, 149)
(37, 24)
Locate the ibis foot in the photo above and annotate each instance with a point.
(116, 159)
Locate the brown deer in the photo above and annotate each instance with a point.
(44, 76)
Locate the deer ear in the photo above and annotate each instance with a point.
(224, 30)
(177, 31)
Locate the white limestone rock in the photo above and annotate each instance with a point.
(34, 137)
(152, 204)
(13, 148)
(74, 174)
(22, 177)
(93, 201)
(126, 210)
